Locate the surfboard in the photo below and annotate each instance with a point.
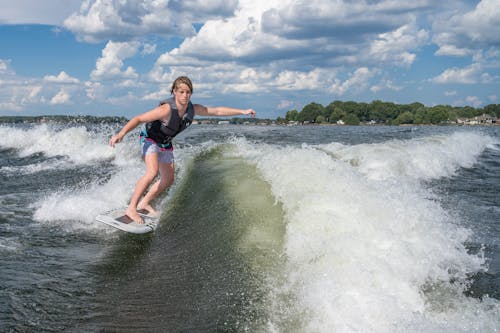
(118, 219)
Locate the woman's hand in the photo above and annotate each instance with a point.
(114, 140)
(250, 112)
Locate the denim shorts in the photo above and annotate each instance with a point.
(165, 155)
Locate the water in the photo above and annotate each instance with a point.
(266, 229)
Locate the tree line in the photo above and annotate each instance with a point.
(354, 113)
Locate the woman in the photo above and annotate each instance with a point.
(163, 123)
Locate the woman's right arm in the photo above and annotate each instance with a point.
(159, 112)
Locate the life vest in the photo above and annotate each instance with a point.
(162, 132)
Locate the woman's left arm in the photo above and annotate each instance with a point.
(221, 111)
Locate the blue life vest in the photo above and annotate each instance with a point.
(163, 133)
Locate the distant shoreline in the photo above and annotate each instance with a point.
(202, 121)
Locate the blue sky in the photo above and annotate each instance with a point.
(111, 57)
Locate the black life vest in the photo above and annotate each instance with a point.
(162, 132)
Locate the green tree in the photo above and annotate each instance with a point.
(320, 119)
(492, 110)
(351, 119)
(336, 115)
(405, 118)
(421, 116)
(310, 112)
(292, 115)
(438, 114)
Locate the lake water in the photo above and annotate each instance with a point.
(266, 229)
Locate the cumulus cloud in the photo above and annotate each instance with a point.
(19, 93)
(63, 77)
(62, 97)
(314, 32)
(469, 75)
(110, 64)
(459, 34)
(357, 80)
(254, 46)
(120, 20)
(394, 46)
(299, 45)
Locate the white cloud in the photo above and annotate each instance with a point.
(314, 47)
(122, 20)
(460, 33)
(295, 80)
(295, 33)
(298, 45)
(474, 101)
(19, 93)
(468, 75)
(5, 68)
(148, 48)
(94, 90)
(109, 65)
(33, 94)
(393, 46)
(285, 104)
(386, 84)
(62, 97)
(36, 12)
(3, 65)
(359, 80)
(452, 50)
(63, 77)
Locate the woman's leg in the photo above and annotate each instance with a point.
(152, 166)
(166, 180)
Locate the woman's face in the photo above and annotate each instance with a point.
(182, 93)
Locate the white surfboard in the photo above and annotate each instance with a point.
(118, 219)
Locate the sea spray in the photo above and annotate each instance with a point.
(424, 158)
(76, 143)
(339, 239)
(366, 239)
(116, 171)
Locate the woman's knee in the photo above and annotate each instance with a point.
(166, 182)
(150, 175)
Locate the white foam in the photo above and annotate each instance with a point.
(424, 158)
(35, 167)
(77, 144)
(76, 208)
(364, 237)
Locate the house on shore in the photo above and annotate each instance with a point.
(484, 119)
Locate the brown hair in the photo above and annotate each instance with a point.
(181, 80)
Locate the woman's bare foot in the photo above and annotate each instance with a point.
(132, 213)
(148, 209)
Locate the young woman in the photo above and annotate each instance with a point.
(163, 123)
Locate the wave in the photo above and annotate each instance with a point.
(78, 144)
(82, 204)
(424, 158)
(368, 248)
